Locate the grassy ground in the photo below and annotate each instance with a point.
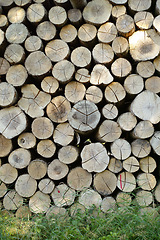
(126, 223)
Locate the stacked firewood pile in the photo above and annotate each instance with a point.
(79, 104)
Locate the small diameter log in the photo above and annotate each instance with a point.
(114, 92)
(4, 66)
(118, 10)
(37, 169)
(75, 16)
(145, 69)
(155, 141)
(5, 146)
(146, 181)
(153, 84)
(62, 195)
(123, 199)
(57, 170)
(74, 91)
(68, 154)
(56, 211)
(68, 34)
(33, 43)
(12, 33)
(90, 198)
(17, 75)
(144, 129)
(143, 20)
(58, 16)
(63, 134)
(63, 71)
(22, 3)
(108, 204)
(49, 85)
(94, 157)
(108, 131)
(36, 13)
(120, 46)
(142, 47)
(127, 121)
(37, 63)
(19, 158)
(157, 7)
(46, 31)
(97, 12)
(115, 165)
(25, 185)
(103, 53)
(6, 3)
(12, 122)
(8, 174)
(87, 34)
(2, 39)
(23, 212)
(16, 15)
(79, 179)
(157, 192)
(146, 110)
(118, 2)
(14, 53)
(42, 127)
(105, 183)
(84, 116)
(39, 202)
(12, 200)
(140, 148)
(58, 109)
(3, 189)
(147, 164)
(125, 25)
(121, 149)
(157, 64)
(46, 148)
(76, 208)
(107, 32)
(94, 94)
(82, 75)
(8, 94)
(27, 140)
(133, 84)
(144, 198)
(121, 67)
(131, 164)
(100, 75)
(126, 182)
(46, 185)
(81, 57)
(139, 5)
(3, 22)
(80, 4)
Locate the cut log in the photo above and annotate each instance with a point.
(157, 192)
(53, 211)
(37, 169)
(62, 3)
(155, 142)
(3, 22)
(125, 25)
(143, 20)
(81, 57)
(46, 31)
(108, 204)
(42, 127)
(63, 134)
(33, 43)
(3, 189)
(126, 182)
(19, 158)
(58, 16)
(46, 185)
(105, 182)
(75, 16)
(62, 195)
(133, 84)
(121, 149)
(12, 200)
(140, 148)
(97, 12)
(94, 157)
(5, 146)
(68, 34)
(23, 212)
(94, 94)
(121, 67)
(79, 179)
(146, 110)
(87, 34)
(8, 94)
(103, 53)
(144, 129)
(90, 198)
(118, 1)
(25, 185)
(131, 164)
(108, 131)
(6, 3)
(8, 174)
(114, 92)
(57, 170)
(4, 66)
(63, 71)
(74, 91)
(17, 75)
(78, 3)
(39, 202)
(107, 32)
(27, 140)
(77, 208)
(16, 15)
(82, 75)
(14, 53)
(139, 5)
(22, 3)
(154, 35)
(68, 154)
(146, 181)
(49, 85)
(144, 198)
(100, 75)
(145, 69)
(46, 148)
(120, 46)
(36, 13)
(127, 121)
(115, 165)
(123, 199)
(157, 64)
(153, 84)
(157, 7)
(84, 116)
(118, 10)
(12, 33)
(147, 164)
(12, 122)
(2, 39)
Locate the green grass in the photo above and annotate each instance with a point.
(125, 223)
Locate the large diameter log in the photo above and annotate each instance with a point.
(146, 110)
(133, 84)
(125, 25)
(39, 202)
(68, 154)
(46, 185)
(103, 53)
(16, 75)
(114, 92)
(57, 170)
(14, 53)
(58, 16)
(94, 157)
(81, 57)
(140, 148)
(12, 200)
(46, 148)
(8, 94)
(121, 149)
(8, 174)
(155, 142)
(100, 75)
(33, 43)
(84, 116)
(16, 15)
(144, 129)
(42, 127)
(146, 181)
(25, 185)
(46, 31)
(12, 122)
(63, 134)
(120, 46)
(5, 146)
(90, 198)
(126, 182)
(97, 12)
(36, 13)
(12, 33)
(26, 140)
(19, 158)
